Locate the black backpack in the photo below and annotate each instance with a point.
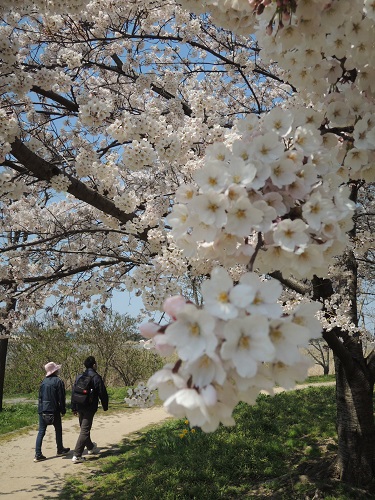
(83, 391)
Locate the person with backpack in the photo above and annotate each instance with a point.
(51, 405)
(88, 389)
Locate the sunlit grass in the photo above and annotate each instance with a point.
(264, 456)
(263, 452)
(320, 378)
(16, 416)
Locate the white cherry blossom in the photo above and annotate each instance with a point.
(265, 297)
(290, 234)
(246, 343)
(206, 370)
(192, 333)
(216, 293)
(242, 216)
(210, 208)
(191, 404)
(279, 121)
(212, 176)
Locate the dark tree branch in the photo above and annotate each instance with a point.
(69, 105)
(370, 360)
(291, 283)
(60, 236)
(44, 170)
(155, 88)
(55, 276)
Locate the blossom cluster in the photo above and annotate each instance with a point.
(60, 183)
(40, 6)
(272, 180)
(237, 344)
(95, 111)
(8, 131)
(236, 15)
(141, 396)
(337, 314)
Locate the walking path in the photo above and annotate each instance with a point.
(21, 478)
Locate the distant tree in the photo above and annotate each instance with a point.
(36, 344)
(133, 364)
(320, 352)
(102, 334)
(111, 337)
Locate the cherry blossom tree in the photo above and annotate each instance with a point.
(145, 141)
(115, 111)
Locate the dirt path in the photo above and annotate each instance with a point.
(21, 478)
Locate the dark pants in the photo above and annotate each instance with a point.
(84, 440)
(42, 431)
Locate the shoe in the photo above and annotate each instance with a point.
(39, 458)
(63, 451)
(94, 450)
(78, 460)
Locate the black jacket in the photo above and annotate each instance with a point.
(100, 392)
(52, 395)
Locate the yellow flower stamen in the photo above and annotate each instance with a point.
(244, 343)
(194, 329)
(223, 297)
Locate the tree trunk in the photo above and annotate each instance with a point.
(326, 369)
(355, 425)
(3, 358)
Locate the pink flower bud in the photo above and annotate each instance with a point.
(173, 305)
(149, 330)
(162, 346)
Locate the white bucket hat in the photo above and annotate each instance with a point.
(51, 368)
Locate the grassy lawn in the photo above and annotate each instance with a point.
(282, 448)
(314, 379)
(17, 416)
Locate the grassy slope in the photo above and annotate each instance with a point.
(281, 448)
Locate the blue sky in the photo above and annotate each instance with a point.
(126, 302)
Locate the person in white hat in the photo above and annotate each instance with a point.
(51, 405)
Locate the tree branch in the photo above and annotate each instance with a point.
(44, 170)
(291, 283)
(155, 88)
(71, 106)
(59, 274)
(339, 349)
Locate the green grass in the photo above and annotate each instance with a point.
(320, 378)
(117, 393)
(28, 395)
(272, 446)
(20, 415)
(17, 416)
(281, 448)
